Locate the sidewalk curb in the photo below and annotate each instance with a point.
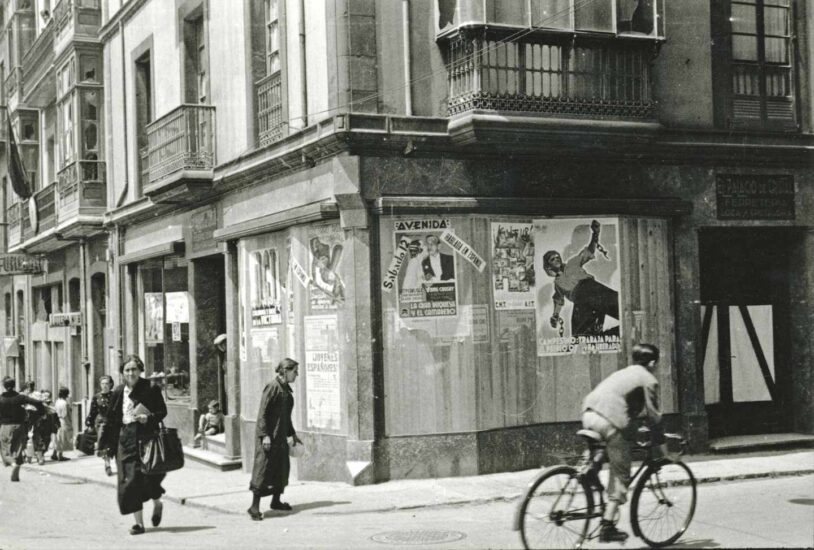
(184, 501)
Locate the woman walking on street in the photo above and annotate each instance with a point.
(13, 426)
(97, 418)
(64, 440)
(44, 427)
(271, 461)
(136, 408)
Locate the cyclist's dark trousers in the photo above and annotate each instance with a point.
(618, 450)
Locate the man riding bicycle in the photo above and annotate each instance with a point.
(609, 411)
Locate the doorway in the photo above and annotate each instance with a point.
(745, 302)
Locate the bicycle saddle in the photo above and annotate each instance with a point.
(591, 435)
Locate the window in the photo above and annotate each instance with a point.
(272, 36)
(9, 314)
(755, 79)
(20, 313)
(144, 115)
(195, 60)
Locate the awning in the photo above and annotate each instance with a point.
(279, 220)
(10, 346)
(166, 249)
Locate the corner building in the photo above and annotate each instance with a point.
(378, 190)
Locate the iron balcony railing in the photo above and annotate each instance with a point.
(80, 190)
(550, 74)
(181, 140)
(270, 123)
(84, 16)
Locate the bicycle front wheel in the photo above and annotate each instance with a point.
(556, 510)
(663, 503)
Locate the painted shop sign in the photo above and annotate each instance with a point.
(755, 197)
(65, 319)
(19, 264)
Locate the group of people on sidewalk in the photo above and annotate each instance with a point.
(123, 417)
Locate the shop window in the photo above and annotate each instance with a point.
(479, 334)
(7, 304)
(20, 309)
(74, 293)
(41, 303)
(166, 326)
(754, 64)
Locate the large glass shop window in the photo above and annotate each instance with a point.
(491, 322)
(165, 309)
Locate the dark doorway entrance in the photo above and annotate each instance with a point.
(745, 309)
(208, 278)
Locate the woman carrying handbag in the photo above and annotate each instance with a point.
(136, 409)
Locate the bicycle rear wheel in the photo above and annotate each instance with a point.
(556, 510)
(663, 503)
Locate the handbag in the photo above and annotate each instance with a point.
(161, 452)
(85, 441)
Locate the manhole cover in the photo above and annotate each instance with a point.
(415, 538)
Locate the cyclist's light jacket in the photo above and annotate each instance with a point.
(625, 395)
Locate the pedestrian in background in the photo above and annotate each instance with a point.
(136, 408)
(45, 427)
(271, 461)
(97, 417)
(13, 426)
(64, 411)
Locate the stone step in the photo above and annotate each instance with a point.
(213, 459)
(215, 443)
(742, 443)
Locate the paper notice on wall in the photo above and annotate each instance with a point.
(578, 286)
(177, 307)
(300, 273)
(176, 332)
(513, 274)
(462, 248)
(265, 344)
(480, 324)
(426, 279)
(265, 287)
(153, 318)
(322, 374)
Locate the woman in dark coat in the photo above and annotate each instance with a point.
(13, 426)
(271, 461)
(124, 431)
(97, 418)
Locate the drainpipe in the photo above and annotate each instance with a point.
(123, 196)
(405, 31)
(303, 66)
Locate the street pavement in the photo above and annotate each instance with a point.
(50, 512)
(197, 485)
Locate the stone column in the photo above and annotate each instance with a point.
(232, 359)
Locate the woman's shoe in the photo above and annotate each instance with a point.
(158, 509)
(108, 471)
(15, 473)
(137, 529)
(284, 506)
(255, 514)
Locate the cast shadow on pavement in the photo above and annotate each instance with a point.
(804, 501)
(188, 529)
(696, 543)
(303, 507)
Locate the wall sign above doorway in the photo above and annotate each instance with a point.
(199, 232)
(754, 197)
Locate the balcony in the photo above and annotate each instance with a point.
(14, 82)
(181, 154)
(3, 124)
(38, 70)
(81, 198)
(551, 75)
(270, 124)
(76, 18)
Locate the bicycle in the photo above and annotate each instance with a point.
(558, 507)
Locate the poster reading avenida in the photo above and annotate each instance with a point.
(423, 270)
(578, 281)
